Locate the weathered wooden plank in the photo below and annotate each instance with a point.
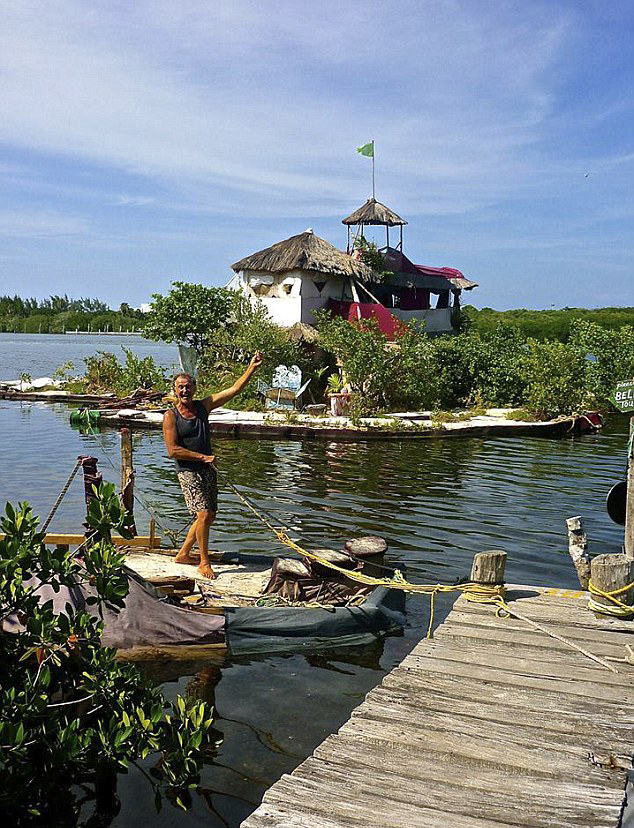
(413, 764)
(491, 723)
(574, 631)
(357, 800)
(553, 611)
(520, 737)
(605, 691)
(539, 808)
(491, 714)
(520, 636)
(553, 665)
(142, 541)
(537, 699)
(537, 759)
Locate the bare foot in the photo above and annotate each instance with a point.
(186, 558)
(206, 570)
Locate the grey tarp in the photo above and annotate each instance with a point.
(146, 619)
(275, 629)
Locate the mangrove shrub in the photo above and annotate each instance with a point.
(71, 715)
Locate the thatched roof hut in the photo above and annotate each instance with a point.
(373, 212)
(305, 251)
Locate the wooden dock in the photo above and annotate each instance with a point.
(490, 724)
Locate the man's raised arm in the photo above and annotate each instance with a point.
(221, 397)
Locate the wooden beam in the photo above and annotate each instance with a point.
(141, 541)
(612, 572)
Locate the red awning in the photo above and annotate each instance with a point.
(353, 311)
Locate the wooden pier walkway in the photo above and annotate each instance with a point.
(490, 724)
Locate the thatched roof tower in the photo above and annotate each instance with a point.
(305, 251)
(373, 212)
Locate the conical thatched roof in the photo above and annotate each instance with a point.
(373, 212)
(306, 251)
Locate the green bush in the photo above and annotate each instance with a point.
(610, 356)
(548, 324)
(497, 368)
(105, 374)
(71, 715)
(556, 379)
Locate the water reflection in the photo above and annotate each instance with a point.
(436, 501)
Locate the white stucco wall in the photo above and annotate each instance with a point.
(297, 305)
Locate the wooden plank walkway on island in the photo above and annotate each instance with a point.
(491, 723)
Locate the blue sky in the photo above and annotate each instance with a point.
(150, 141)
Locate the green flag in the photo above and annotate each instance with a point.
(367, 149)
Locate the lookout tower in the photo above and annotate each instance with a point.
(375, 213)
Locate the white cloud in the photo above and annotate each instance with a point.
(41, 224)
(133, 201)
(239, 107)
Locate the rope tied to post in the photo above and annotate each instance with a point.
(617, 608)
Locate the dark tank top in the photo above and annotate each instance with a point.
(194, 435)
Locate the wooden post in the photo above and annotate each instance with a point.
(126, 457)
(488, 567)
(152, 532)
(611, 572)
(127, 474)
(578, 549)
(629, 508)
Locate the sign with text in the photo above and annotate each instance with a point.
(623, 396)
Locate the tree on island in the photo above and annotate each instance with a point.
(189, 313)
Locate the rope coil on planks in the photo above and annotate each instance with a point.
(475, 593)
(617, 608)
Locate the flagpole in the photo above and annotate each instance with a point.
(373, 196)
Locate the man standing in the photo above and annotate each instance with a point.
(187, 438)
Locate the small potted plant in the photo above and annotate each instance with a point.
(338, 393)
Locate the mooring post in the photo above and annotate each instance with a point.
(127, 473)
(126, 457)
(488, 567)
(578, 549)
(629, 508)
(610, 573)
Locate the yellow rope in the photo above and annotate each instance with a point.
(617, 608)
(476, 593)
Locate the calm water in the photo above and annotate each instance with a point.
(40, 354)
(436, 502)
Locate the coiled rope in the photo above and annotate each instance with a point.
(475, 593)
(616, 607)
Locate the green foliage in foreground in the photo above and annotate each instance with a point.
(501, 367)
(547, 324)
(71, 716)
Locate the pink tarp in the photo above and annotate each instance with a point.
(353, 311)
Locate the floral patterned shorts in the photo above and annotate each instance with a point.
(200, 489)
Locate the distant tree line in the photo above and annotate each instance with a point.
(547, 325)
(61, 313)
